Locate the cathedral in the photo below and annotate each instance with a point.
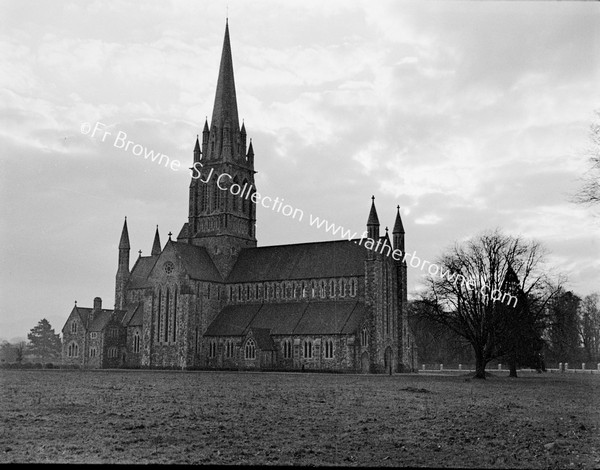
(213, 299)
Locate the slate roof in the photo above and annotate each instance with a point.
(140, 272)
(263, 339)
(134, 315)
(291, 318)
(103, 316)
(232, 320)
(299, 261)
(197, 262)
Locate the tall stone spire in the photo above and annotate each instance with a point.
(156, 245)
(225, 125)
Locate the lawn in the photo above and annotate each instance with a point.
(546, 420)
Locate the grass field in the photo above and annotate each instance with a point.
(536, 421)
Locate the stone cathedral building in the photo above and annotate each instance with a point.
(213, 299)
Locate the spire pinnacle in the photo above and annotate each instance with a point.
(398, 226)
(124, 242)
(373, 219)
(156, 245)
(197, 147)
(225, 113)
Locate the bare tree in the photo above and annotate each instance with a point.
(589, 193)
(466, 294)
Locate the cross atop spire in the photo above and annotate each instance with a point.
(124, 242)
(373, 219)
(398, 227)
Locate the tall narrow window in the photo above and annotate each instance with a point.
(159, 319)
(329, 349)
(204, 199)
(234, 199)
(73, 327)
(136, 342)
(250, 349)
(364, 336)
(353, 288)
(167, 317)
(287, 349)
(308, 349)
(244, 200)
(175, 316)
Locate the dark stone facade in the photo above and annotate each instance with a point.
(213, 299)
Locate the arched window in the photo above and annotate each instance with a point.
(73, 327)
(175, 315)
(229, 349)
(244, 200)
(136, 342)
(73, 350)
(287, 349)
(342, 287)
(364, 336)
(212, 348)
(204, 198)
(159, 311)
(250, 349)
(332, 288)
(304, 290)
(234, 199)
(308, 349)
(214, 203)
(329, 349)
(166, 339)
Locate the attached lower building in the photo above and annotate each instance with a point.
(213, 299)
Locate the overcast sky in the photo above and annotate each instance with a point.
(470, 116)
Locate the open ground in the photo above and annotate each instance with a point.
(546, 420)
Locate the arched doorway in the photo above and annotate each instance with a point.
(364, 363)
(387, 360)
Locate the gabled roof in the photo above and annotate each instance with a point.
(100, 320)
(135, 316)
(233, 320)
(184, 232)
(330, 318)
(289, 318)
(263, 339)
(301, 261)
(197, 263)
(140, 272)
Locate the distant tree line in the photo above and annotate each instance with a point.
(459, 322)
(42, 349)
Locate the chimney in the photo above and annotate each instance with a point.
(97, 303)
